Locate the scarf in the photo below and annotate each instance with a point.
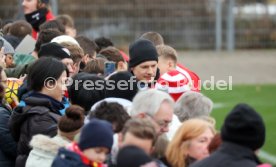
(37, 18)
(75, 148)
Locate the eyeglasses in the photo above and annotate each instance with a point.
(161, 123)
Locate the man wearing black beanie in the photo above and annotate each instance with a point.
(143, 60)
(242, 133)
(54, 50)
(59, 52)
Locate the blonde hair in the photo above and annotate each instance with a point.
(177, 149)
(167, 52)
(76, 52)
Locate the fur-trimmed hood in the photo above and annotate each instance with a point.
(48, 144)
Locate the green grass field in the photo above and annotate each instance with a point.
(261, 97)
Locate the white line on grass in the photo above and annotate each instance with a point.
(218, 105)
(267, 156)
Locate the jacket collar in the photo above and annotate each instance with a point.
(39, 99)
(238, 151)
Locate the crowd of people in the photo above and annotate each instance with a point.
(72, 109)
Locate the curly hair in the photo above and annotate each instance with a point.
(112, 112)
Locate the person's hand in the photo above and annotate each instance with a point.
(22, 77)
(2, 58)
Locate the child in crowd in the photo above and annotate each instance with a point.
(91, 150)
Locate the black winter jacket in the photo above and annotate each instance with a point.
(7, 143)
(39, 116)
(230, 155)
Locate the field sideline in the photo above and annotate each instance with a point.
(262, 98)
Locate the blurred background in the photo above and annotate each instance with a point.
(185, 24)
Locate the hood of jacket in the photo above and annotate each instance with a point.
(47, 144)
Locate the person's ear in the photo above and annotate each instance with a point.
(141, 115)
(170, 64)
(86, 58)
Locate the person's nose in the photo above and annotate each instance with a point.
(150, 71)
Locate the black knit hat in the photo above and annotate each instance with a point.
(97, 133)
(140, 51)
(132, 156)
(54, 50)
(122, 90)
(244, 126)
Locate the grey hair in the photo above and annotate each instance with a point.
(192, 105)
(149, 101)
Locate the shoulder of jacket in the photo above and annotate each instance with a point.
(46, 143)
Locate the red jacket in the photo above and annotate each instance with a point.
(49, 16)
(193, 77)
